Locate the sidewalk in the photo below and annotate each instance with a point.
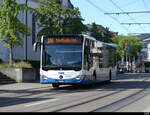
(5, 80)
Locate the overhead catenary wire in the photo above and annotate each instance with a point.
(126, 14)
(126, 5)
(134, 23)
(103, 11)
(144, 4)
(132, 12)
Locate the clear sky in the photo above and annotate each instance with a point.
(93, 11)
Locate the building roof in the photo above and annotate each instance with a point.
(70, 5)
(143, 36)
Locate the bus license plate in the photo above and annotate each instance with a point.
(61, 81)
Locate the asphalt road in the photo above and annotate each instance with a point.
(129, 93)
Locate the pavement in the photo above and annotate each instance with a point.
(5, 80)
(129, 93)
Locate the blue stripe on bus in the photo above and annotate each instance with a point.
(64, 81)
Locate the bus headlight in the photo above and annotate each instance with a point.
(78, 78)
(44, 77)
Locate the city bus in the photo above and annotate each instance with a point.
(75, 59)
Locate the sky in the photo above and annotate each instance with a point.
(93, 11)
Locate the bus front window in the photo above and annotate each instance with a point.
(62, 56)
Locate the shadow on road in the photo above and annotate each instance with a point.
(9, 101)
(124, 82)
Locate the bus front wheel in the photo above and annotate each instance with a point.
(55, 85)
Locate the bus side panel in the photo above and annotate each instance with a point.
(114, 73)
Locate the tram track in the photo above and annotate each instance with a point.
(111, 97)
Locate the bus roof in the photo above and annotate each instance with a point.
(64, 35)
(84, 35)
(89, 37)
(92, 38)
(110, 44)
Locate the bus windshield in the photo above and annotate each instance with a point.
(62, 57)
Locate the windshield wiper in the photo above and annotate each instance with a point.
(50, 68)
(61, 68)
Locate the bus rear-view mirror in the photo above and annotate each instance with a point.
(35, 45)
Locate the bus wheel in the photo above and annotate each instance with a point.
(110, 75)
(94, 78)
(94, 75)
(55, 85)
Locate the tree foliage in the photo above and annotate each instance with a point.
(135, 45)
(73, 23)
(10, 25)
(101, 33)
(54, 19)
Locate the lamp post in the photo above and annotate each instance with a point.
(26, 22)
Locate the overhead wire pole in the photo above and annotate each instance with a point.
(26, 22)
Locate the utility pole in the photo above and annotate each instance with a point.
(26, 22)
(126, 47)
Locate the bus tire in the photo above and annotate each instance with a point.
(94, 75)
(94, 79)
(55, 85)
(110, 76)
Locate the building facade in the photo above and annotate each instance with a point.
(145, 52)
(144, 56)
(25, 51)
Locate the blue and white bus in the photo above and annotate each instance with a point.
(75, 59)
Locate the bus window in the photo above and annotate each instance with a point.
(101, 63)
(111, 57)
(62, 56)
(88, 56)
(105, 57)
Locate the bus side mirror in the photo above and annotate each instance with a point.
(35, 45)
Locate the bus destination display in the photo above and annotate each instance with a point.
(63, 40)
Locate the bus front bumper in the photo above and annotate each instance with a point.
(64, 81)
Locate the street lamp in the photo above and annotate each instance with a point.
(26, 22)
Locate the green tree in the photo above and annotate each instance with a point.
(101, 33)
(95, 32)
(134, 45)
(73, 23)
(55, 19)
(10, 25)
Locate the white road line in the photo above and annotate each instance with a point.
(146, 110)
(41, 102)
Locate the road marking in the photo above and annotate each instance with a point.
(41, 102)
(146, 110)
